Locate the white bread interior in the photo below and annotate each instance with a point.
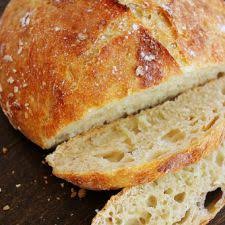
(192, 196)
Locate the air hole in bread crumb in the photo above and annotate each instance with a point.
(142, 220)
(193, 123)
(145, 218)
(109, 220)
(191, 118)
(152, 201)
(165, 216)
(132, 222)
(194, 131)
(219, 75)
(220, 159)
(149, 17)
(223, 91)
(169, 191)
(203, 118)
(180, 197)
(114, 156)
(212, 198)
(118, 221)
(184, 219)
(174, 135)
(210, 124)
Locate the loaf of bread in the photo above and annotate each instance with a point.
(67, 66)
(191, 196)
(142, 147)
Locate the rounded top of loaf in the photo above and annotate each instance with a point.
(62, 59)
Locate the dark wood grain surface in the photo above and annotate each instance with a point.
(34, 196)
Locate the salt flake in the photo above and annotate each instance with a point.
(20, 50)
(82, 36)
(25, 21)
(114, 70)
(147, 57)
(135, 26)
(140, 71)
(222, 28)
(10, 80)
(89, 10)
(167, 8)
(192, 53)
(16, 89)
(57, 29)
(8, 58)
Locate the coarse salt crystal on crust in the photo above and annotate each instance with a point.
(10, 80)
(16, 89)
(82, 36)
(135, 26)
(8, 58)
(222, 28)
(147, 57)
(140, 71)
(25, 21)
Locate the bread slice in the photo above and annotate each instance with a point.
(72, 74)
(191, 196)
(142, 147)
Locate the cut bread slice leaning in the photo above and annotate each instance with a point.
(191, 196)
(140, 148)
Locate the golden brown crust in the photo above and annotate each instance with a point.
(55, 67)
(150, 171)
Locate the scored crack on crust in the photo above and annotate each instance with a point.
(63, 71)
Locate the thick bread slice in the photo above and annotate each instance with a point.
(191, 196)
(70, 74)
(142, 147)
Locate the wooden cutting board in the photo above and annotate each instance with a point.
(34, 196)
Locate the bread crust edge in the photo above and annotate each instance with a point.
(147, 172)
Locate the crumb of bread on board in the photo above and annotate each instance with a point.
(4, 150)
(73, 193)
(82, 193)
(6, 207)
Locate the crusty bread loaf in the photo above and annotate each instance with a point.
(191, 196)
(67, 66)
(142, 147)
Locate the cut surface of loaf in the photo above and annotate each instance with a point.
(191, 196)
(72, 74)
(142, 147)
